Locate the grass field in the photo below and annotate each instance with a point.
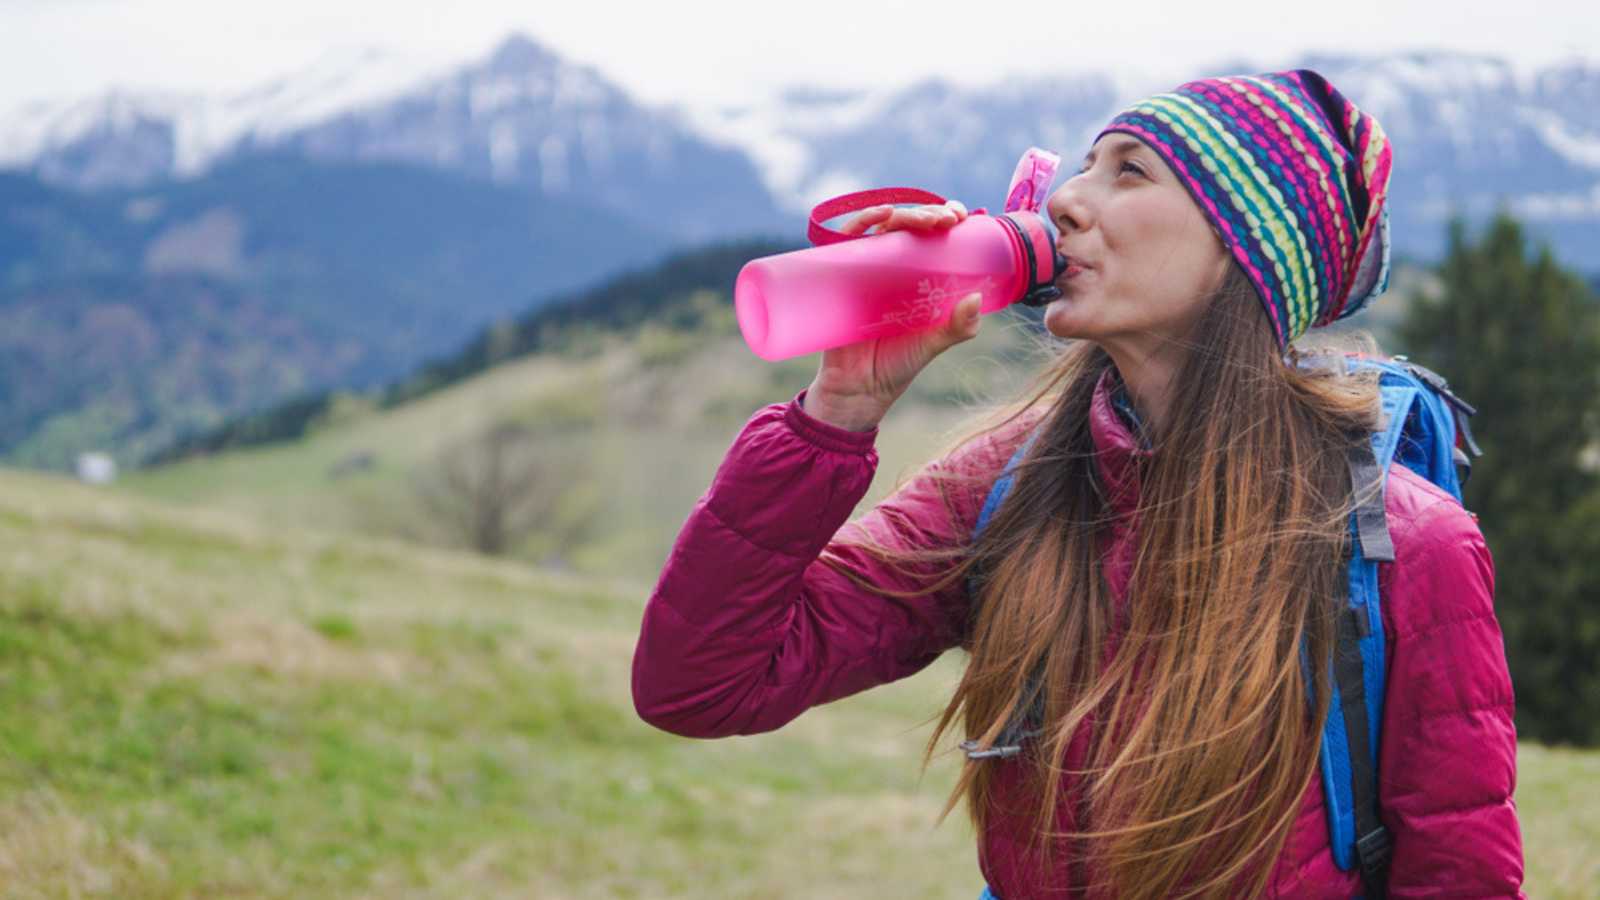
(201, 696)
(646, 435)
(194, 705)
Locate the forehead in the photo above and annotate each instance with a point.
(1114, 144)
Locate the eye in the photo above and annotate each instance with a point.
(1125, 166)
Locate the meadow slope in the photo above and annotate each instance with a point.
(192, 705)
(196, 705)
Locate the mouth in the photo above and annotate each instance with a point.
(1074, 266)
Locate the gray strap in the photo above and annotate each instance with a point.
(1373, 845)
(1464, 461)
(1372, 524)
(1466, 432)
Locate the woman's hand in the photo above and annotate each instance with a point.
(928, 217)
(856, 384)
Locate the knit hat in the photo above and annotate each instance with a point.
(1292, 175)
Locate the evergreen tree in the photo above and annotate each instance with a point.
(1520, 340)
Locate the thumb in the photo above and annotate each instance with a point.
(964, 319)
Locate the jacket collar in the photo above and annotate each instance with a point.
(1118, 448)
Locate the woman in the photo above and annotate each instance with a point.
(1173, 536)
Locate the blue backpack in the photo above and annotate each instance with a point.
(1420, 429)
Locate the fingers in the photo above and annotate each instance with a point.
(874, 215)
(934, 216)
(921, 218)
(911, 217)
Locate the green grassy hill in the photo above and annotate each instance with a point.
(640, 422)
(198, 705)
(269, 673)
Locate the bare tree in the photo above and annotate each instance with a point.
(494, 486)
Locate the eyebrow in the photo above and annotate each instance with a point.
(1122, 146)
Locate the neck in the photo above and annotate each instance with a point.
(1149, 377)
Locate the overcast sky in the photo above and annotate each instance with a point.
(733, 49)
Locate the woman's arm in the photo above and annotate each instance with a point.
(1448, 753)
(746, 629)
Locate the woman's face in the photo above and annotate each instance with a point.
(1150, 257)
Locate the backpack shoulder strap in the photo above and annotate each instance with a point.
(1009, 741)
(997, 495)
(1349, 750)
(1423, 427)
(1350, 738)
(1002, 484)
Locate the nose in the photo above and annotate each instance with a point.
(1067, 206)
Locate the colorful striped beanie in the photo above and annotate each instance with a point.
(1292, 175)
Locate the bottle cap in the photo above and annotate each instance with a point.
(1030, 182)
(1030, 188)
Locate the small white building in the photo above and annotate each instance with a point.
(96, 468)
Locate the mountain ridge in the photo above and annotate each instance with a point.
(128, 317)
(1471, 131)
(341, 226)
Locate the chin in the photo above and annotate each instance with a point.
(1064, 319)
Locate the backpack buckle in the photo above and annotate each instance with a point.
(1373, 850)
(1437, 382)
(970, 747)
(972, 751)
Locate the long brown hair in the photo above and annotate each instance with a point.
(1242, 512)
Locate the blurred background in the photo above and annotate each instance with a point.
(359, 364)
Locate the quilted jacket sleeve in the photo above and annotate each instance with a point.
(746, 629)
(1449, 747)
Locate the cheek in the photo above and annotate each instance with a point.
(1167, 244)
(1142, 233)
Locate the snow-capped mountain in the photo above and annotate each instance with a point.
(522, 116)
(114, 139)
(526, 116)
(815, 143)
(1470, 133)
(122, 139)
(1473, 133)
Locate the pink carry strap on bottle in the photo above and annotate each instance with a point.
(820, 234)
(852, 288)
(1030, 188)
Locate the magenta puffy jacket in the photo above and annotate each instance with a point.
(746, 630)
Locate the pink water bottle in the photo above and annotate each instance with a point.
(848, 290)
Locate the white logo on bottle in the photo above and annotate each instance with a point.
(932, 301)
